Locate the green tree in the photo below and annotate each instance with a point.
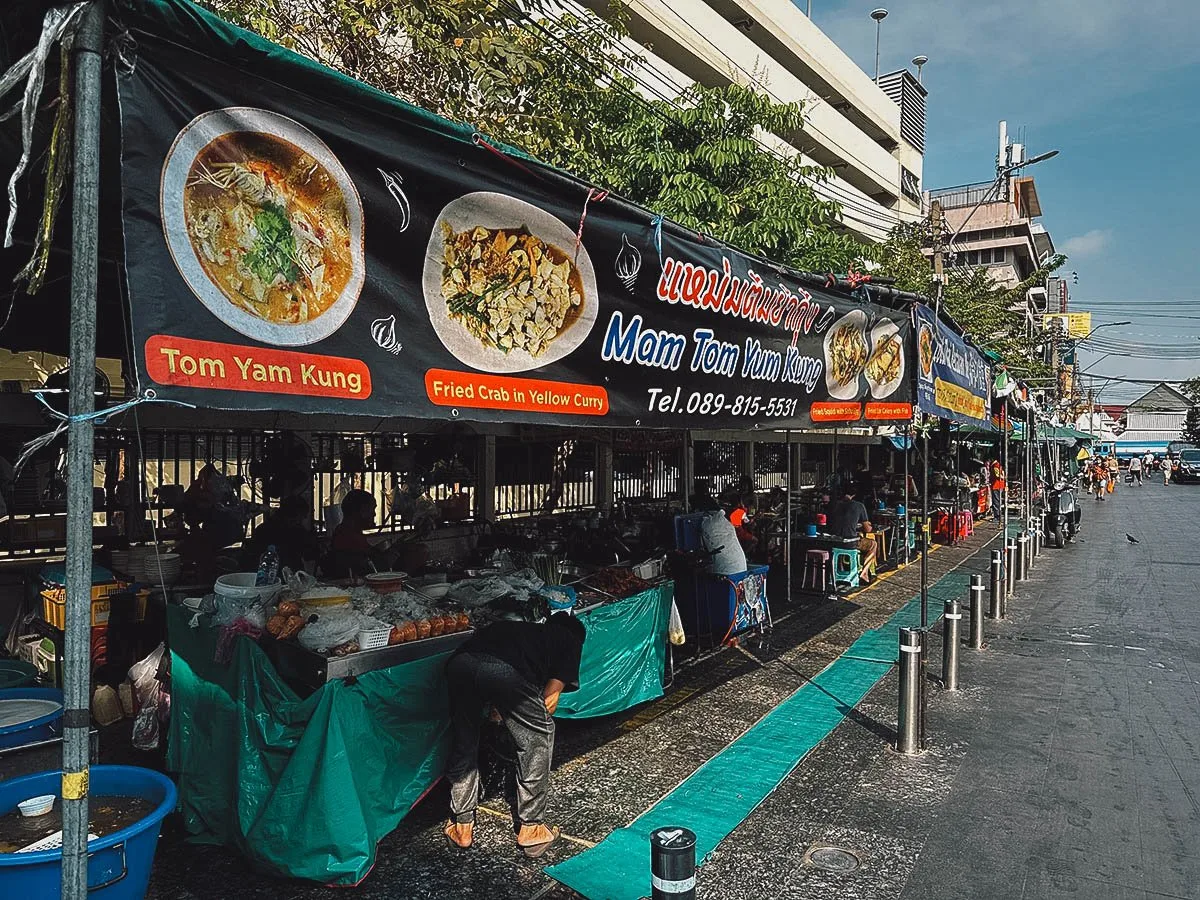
(1191, 426)
(561, 88)
(992, 314)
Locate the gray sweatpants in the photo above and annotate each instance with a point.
(478, 681)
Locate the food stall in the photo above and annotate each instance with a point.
(403, 267)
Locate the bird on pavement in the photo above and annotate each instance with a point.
(1132, 539)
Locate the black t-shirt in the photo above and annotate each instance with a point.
(538, 651)
(844, 517)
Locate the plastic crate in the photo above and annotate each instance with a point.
(54, 603)
(374, 638)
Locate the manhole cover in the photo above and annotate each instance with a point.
(834, 859)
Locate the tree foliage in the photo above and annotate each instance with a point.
(1191, 426)
(992, 314)
(564, 89)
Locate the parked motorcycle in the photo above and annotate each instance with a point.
(1063, 514)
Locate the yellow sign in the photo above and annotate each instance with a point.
(1075, 325)
(959, 399)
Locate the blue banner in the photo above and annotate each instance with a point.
(954, 380)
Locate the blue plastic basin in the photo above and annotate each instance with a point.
(40, 729)
(118, 864)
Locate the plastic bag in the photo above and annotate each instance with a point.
(333, 627)
(150, 695)
(675, 627)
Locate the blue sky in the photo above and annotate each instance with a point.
(1114, 85)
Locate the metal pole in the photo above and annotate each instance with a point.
(1010, 568)
(672, 864)
(997, 598)
(977, 608)
(85, 215)
(908, 737)
(925, 530)
(1022, 556)
(950, 619)
(904, 518)
(787, 553)
(1004, 493)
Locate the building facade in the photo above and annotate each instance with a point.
(1153, 421)
(871, 135)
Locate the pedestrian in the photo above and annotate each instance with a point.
(996, 476)
(1100, 479)
(517, 671)
(1114, 471)
(1135, 469)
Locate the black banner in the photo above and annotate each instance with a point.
(288, 250)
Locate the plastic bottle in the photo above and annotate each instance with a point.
(268, 567)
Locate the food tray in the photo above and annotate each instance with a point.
(306, 671)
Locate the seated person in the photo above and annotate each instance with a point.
(288, 531)
(742, 517)
(350, 553)
(847, 518)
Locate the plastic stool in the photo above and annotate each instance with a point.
(846, 567)
(880, 539)
(816, 561)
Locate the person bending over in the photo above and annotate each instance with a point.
(519, 670)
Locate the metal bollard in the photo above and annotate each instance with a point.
(908, 725)
(950, 619)
(997, 597)
(1022, 556)
(672, 864)
(1010, 570)
(977, 602)
(1038, 540)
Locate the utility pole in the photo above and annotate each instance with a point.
(937, 228)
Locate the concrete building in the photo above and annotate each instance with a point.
(1153, 421)
(872, 135)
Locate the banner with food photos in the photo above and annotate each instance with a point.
(954, 380)
(296, 240)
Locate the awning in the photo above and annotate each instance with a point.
(899, 441)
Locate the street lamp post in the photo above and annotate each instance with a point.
(878, 15)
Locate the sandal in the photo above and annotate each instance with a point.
(452, 832)
(533, 851)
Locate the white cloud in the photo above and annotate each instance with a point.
(1088, 244)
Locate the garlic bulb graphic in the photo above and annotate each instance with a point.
(383, 331)
(628, 263)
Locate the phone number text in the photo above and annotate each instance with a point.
(708, 403)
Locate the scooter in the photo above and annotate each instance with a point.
(1063, 515)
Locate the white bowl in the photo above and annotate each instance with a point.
(435, 591)
(37, 806)
(241, 586)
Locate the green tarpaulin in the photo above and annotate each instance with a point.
(623, 656)
(304, 788)
(307, 788)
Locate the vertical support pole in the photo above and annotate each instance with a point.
(1010, 580)
(1007, 475)
(605, 482)
(997, 598)
(85, 215)
(687, 471)
(951, 618)
(904, 518)
(925, 529)
(746, 458)
(485, 490)
(977, 606)
(789, 486)
(908, 736)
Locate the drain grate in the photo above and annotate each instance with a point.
(833, 859)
